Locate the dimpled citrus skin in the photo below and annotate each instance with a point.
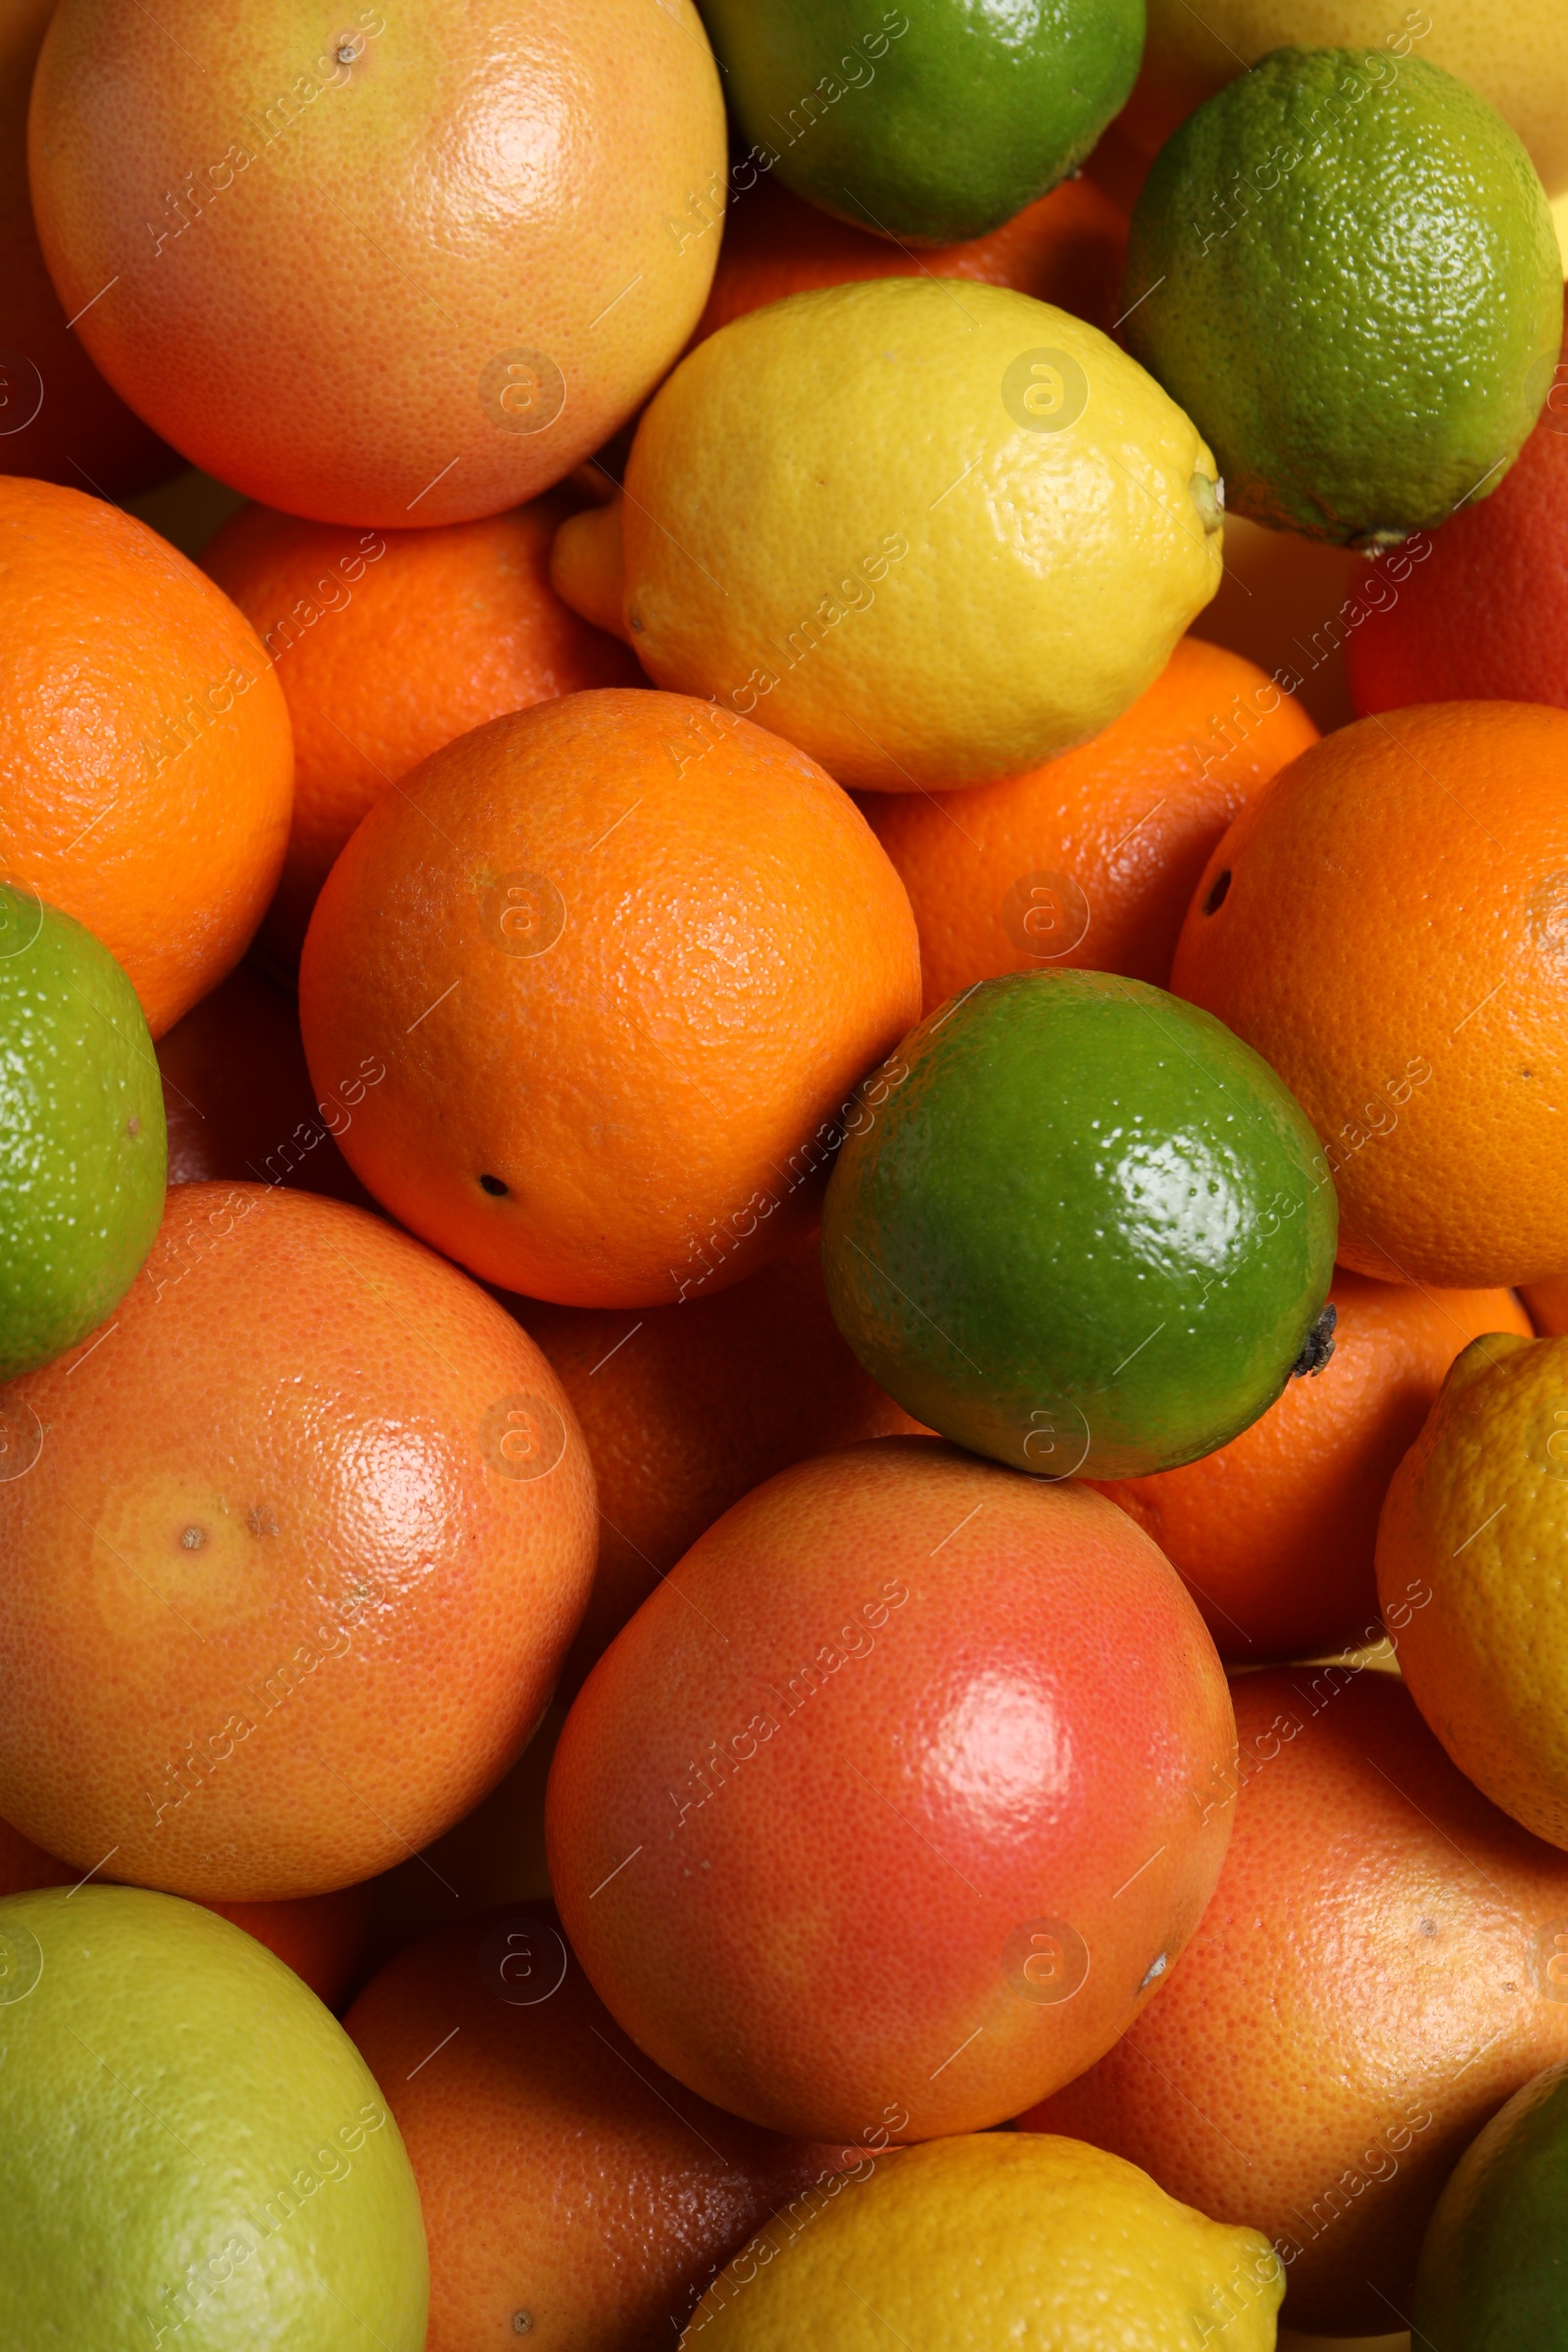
(1365, 325)
(626, 957)
(1077, 1230)
(1492, 2275)
(1479, 1510)
(1514, 52)
(83, 1143)
(1274, 1533)
(563, 2175)
(987, 1788)
(55, 407)
(474, 186)
(1372, 1967)
(926, 131)
(795, 512)
(1390, 940)
(1089, 861)
(274, 1527)
(146, 765)
(977, 2242)
(389, 644)
(192, 2151)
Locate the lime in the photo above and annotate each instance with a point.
(1344, 267)
(931, 125)
(984, 2240)
(1079, 1226)
(1494, 2275)
(193, 2154)
(927, 531)
(83, 1143)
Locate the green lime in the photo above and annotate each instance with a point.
(193, 2154)
(931, 124)
(1077, 1225)
(83, 1144)
(1344, 267)
(1494, 2272)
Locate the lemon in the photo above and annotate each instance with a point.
(929, 531)
(1477, 1517)
(966, 2245)
(1346, 266)
(1514, 52)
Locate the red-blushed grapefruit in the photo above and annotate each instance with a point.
(394, 267)
(289, 1581)
(887, 1794)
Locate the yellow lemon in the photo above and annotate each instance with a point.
(931, 532)
(1514, 52)
(1477, 1517)
(966, 2245)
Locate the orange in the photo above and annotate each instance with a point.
(882, 1796)
(1273, 1535)
(288, 1585)
(1368, 1985)
(322, 1938)
(572, 2191)
(1547, 1303)
(238, 1097)
(146, 768)
(1090, 860)
(623, 955)
(1389, 927)
(379, 266)
(686, 1409)
(58, 417)
(388, 644)
(1069, 248)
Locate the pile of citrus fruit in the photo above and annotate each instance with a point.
(783, 1176)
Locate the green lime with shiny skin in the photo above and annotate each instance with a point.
(83, 1148)
(929, 123)
(1494, 2270)
(1077, 1225)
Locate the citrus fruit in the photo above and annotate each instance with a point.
(1090, 860)
(1548, 1305)
(1068, 248)
(1345, 268)
(572, 2192)
(1387, 927)
(321, 1937)
(920, 605)
(434, 361)
(58, 417)
(1477, 1512)
(390, 643)
(1273, 1535)
(316, 1522)
(1366, 1985)
(1490, 2278)
(191, 2141)
(1078, 1230)
(929, 139)
(686, 1409)
(239, 1101)
(984, 2239)
(1515, 54)
(623, 956)
(866, 1804)
(145, 763)
(1486, 614)
(82, 1145)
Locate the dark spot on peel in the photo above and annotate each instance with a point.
(1219, 894)
(1318, 1345)
(494, 1186)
